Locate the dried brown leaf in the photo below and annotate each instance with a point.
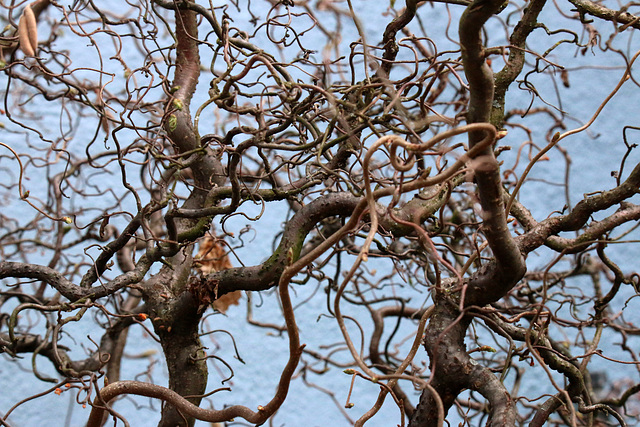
(212, 257)
(105, 120)
(223, 303)
(28, 32)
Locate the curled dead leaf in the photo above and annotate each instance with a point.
(105, 120)
(28, 32)
(223, 303)
(213, 257)
(564, 77)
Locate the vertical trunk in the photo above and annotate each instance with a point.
(186, 363)
(176, 317)
(444, 341)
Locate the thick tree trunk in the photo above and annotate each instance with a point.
(186, 363)
(444, 341)
(176, 317)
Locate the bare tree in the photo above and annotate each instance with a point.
(137, 133)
